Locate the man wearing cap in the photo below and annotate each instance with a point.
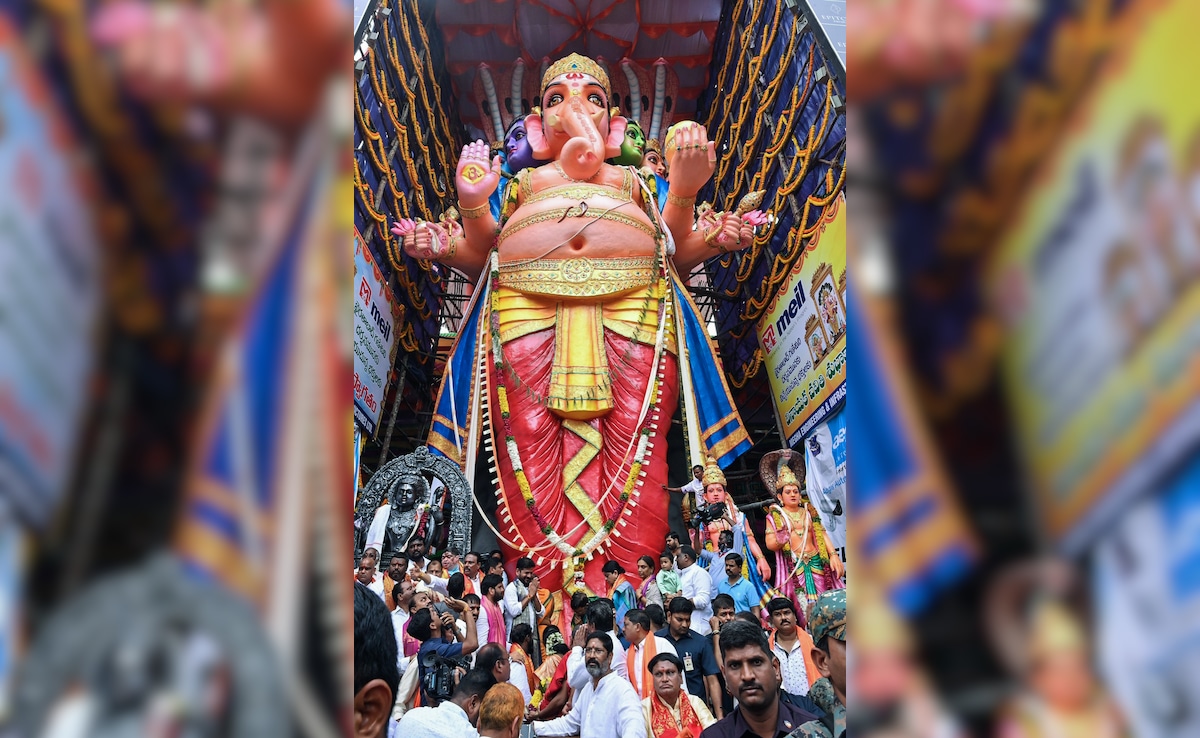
(827, 625)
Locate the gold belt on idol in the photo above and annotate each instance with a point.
(579, 277)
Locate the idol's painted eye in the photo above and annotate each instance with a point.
(518, 135)
(555, 99)
(596, 100)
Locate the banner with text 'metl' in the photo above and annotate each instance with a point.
(376, 315)
(803, 332)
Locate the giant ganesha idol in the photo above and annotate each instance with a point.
(568, 363)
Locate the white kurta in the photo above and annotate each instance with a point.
(639, 663)
(697, 587)
(610, 710)
(577, 675)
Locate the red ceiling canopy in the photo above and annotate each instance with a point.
(498, 32)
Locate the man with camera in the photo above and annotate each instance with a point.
(434, 629)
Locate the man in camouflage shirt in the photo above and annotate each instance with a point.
(827, 626)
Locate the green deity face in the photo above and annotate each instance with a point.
(632, 146)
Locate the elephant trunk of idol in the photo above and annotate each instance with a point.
(581, 156)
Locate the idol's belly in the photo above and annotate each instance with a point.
(557, 228)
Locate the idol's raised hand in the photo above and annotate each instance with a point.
(477, 176)
(693, 158)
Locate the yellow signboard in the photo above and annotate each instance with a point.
(1098, 283)
(803, 332)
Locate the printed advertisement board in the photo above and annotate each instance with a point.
(1098, 285)
(376, 318)
(803, 332)
(50, 283)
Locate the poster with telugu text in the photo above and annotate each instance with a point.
(803, 332)
(1097, 285)
(52, 280)
(376, 317)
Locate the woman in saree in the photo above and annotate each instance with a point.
(648, 593)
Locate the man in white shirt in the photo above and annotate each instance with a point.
(606, 707)
(402, 594)
(521, 604)
(599, 618)
(788, 646)
(366, 575)
(472, 571)
(643, 646)
(697, 587)
(481, 619)
(693, 491)
(416, 554)
(453, 718)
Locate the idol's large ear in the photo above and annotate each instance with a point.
(536, 135)
(616, 136)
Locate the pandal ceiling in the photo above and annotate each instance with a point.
(677, 35)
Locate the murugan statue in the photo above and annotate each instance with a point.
(1043, 642)
(733, 521)
(806, 561)
(570, 360)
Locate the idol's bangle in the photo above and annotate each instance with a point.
(710, 238)
(682, 202)
(451, 247)
(472, 213)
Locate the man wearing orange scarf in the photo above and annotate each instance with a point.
(643, 647)
(670, 712)
(523, 675)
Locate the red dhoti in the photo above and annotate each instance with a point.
(578, 467)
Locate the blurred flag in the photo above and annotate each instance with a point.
(907, 531)
(261, 514)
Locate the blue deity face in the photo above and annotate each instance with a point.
(516, 149)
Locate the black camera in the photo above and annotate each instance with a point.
(708, 514)
(440, 678)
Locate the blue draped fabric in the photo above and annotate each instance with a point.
(448, 435)
(900, 509)
(721, 431)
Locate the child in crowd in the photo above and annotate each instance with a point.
(667, 577)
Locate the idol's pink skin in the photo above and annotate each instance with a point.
(574, 127)
(270, 60)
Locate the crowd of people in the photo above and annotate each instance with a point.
(454, 646)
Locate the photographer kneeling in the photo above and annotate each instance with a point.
(439, 654)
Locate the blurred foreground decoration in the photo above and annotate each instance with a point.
(271, 454)
(1146, 579)
(896, 43)
(892, 696)
(151, 653)
(906, 528)
(248, 615)
(1097, 283)
(1032, 613)
(50, 290)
